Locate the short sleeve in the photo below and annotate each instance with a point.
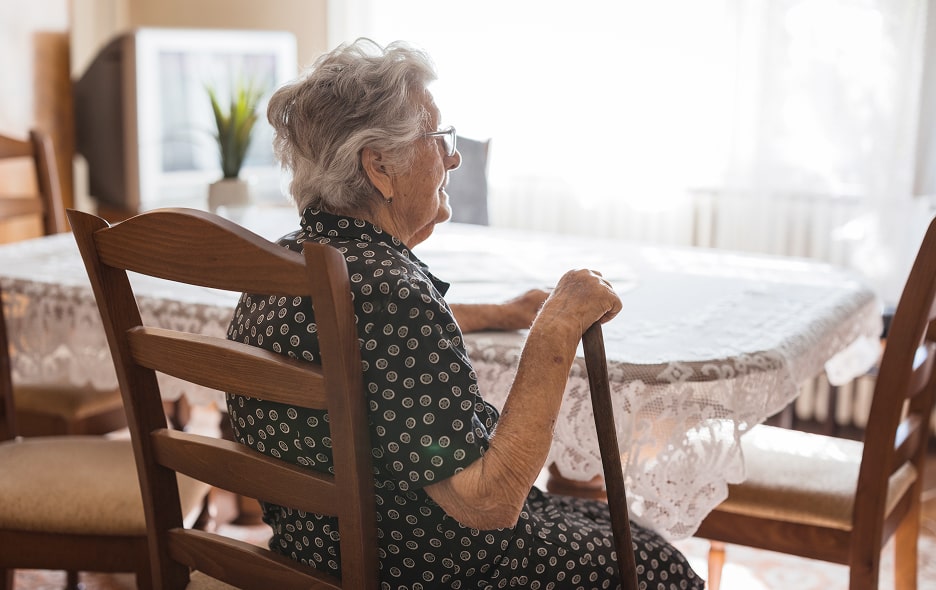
(427, 416)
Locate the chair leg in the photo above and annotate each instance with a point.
(864, 568)
(906, 550)
(144, 580)
(830, 427)
(6, 578)
(716, 561)
(71, 580)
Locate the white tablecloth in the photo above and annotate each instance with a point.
(708, 344)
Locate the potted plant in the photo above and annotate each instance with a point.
(234, 130)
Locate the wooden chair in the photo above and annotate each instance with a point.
(839, 500)
(200, 248)
(43, 410)
(70, 502)
(47, 202)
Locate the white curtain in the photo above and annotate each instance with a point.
(613, 117)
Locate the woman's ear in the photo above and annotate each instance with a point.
(376, 171)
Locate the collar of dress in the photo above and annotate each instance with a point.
(316, 222)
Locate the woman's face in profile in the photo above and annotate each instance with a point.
(419, 192)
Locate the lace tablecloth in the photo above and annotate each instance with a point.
(709, 343)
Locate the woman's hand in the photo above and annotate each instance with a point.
(515, 314)
(490, 492)
(581, 298)
(519, 312)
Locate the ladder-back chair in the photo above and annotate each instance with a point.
(839, 500)
(197, 247)
(52, 409)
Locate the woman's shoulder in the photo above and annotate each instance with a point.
(378, 268)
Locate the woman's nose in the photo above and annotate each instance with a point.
(454, 161)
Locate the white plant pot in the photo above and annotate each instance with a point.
(228, 192)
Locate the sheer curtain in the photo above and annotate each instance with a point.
(623, 118)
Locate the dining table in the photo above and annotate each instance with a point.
(709, 343)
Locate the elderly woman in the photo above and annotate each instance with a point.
(360, 134)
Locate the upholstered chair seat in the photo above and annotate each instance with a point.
(78, 485)
(44, 410)
(200, 581)
(796, 476)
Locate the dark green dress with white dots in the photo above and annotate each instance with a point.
(427, 422)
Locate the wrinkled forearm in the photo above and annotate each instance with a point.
(490, 492)
(475, 317)
(516, 314)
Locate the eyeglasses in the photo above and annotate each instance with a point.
(448, 139)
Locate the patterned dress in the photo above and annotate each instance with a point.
(427, 422)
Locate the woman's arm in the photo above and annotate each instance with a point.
(490, 492)
(516, 314)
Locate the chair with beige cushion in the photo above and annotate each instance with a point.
(70, 502)
(52, 410)
(839, 500)
(200, 248)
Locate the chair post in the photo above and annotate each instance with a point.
(906, 540)
(47, 177)
(716, 563)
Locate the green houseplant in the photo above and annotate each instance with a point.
(234, 129)
(235, 126)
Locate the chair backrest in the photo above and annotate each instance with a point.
(468, 185)
(197, 247)
(44, 204)
(898, 426)
(47, 203)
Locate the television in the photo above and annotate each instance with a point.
(144, 122)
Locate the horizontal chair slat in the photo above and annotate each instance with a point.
(923, 369)
(248, 263)
(222, 463)
(907, 440)
(255, 371)
(813, 542)
(14, 148)
(17, 207)
(211, 555)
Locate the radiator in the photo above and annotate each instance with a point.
(852, 401)
(553, 206)
(812, 226)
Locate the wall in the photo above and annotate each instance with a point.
(96, 21)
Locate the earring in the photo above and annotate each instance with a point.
(388, 201)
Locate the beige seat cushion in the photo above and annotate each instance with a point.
(77, 484)
(805, 478)
(200, 581)
(72, 403)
